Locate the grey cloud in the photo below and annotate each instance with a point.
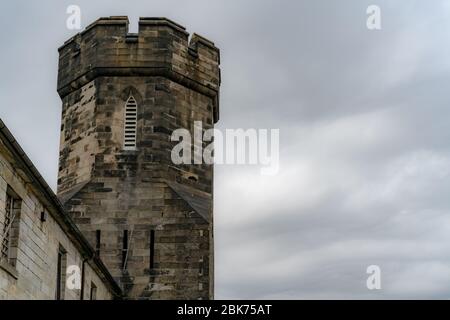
(364, 124)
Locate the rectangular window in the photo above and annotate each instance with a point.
(93, 295)
(61, 273)
(124, 249)
(98, 236)
(6, 227)
(10, 232)
(44, 215)
(152, 249)
(201, 264)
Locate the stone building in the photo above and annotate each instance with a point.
(122, 96)
(38, 239)
(149, 220)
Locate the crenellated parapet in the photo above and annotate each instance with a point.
(160, 48)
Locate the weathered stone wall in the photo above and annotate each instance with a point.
(174, 82)
(78, 139)
(125, 190)
(34, 274)
(181, 238)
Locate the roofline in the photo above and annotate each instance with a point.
(61, 216)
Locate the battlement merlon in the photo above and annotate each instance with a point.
(160, 48)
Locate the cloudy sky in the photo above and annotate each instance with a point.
(365, 138)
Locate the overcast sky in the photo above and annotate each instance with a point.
(365, 138)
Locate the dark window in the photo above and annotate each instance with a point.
(93, 295)
(98, 237)
(124, 249)
(10, 233)
(61, 274)
(44, 215)
(152, 249)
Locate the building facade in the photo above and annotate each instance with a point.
(39, 241)
(149, 219)
(133, 223)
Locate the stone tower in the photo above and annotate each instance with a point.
(122, 96)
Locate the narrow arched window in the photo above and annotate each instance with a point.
(130, 124)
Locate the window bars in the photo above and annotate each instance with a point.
(130, 128)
